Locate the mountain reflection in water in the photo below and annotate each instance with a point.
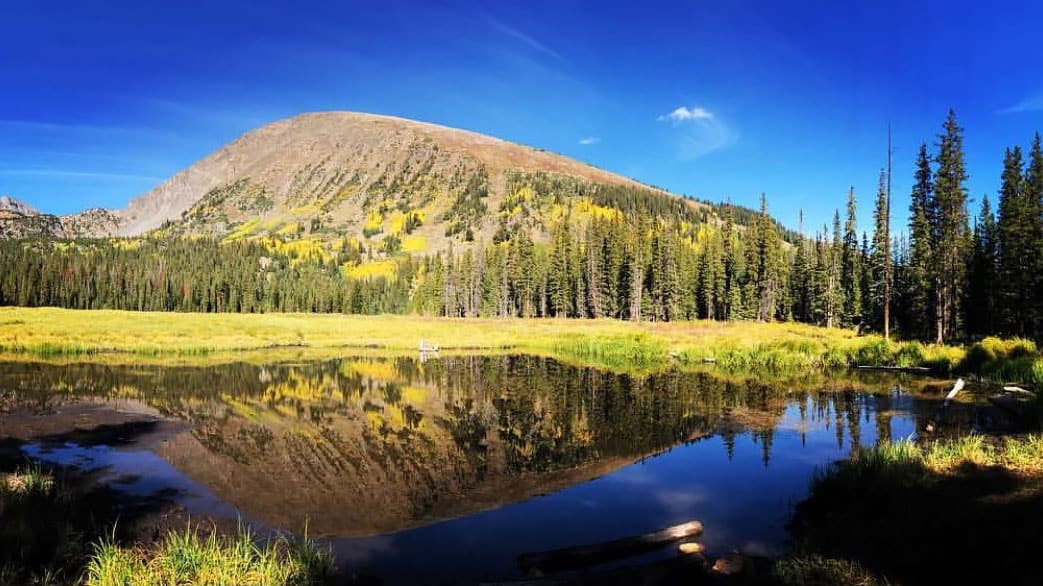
(368, 446)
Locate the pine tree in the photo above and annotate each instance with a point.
(734, 267)
(951, 233)
(802, 274)
(1017, 246)
(919, 283)
(982, 275)
(1034, 191)
(765, 265)
(880, 259)
(851, 274)
(834, 277)
(560, 284)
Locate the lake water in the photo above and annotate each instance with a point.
(446, 470)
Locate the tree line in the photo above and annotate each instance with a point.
(947, 278)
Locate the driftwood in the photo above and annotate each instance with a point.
(587, 555)
(1016, 389)
(956, 388)
(909, 369)
(690, 547)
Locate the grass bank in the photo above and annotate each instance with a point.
(52, 534)
(946, 511)
(190, 558)
(54, 333)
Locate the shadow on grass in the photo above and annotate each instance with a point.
(50, 516)
(898, 518)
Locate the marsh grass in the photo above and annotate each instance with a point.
(971, 498)
(191, 558)
(57, 334)
(47, 526)
(817, 570)
(902, 458)
(41, 529)
(997, 360)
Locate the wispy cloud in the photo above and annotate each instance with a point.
(64, 127)
(525, 39)
(205, 114)
(684, 113)
(589, 140)
(1030, 104)
(74, 173)
(698, 131)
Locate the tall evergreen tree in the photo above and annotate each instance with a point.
(982, 275)
(1017, 246)
(851, 275)
(951, 233)
(881, 260)
(919, 281)
(1034, 191)
(765, 264)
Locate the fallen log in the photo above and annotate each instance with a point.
(588, 555)
(1016, 389)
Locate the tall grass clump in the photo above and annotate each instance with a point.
(817, 570)
(995, 359)
(188, 558)
(41, 538)
(910, 460)
(637, 352)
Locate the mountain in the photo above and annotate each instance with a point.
(336, 175)
(20, 220)
(9, 205)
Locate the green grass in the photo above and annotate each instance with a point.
(57, 333)
(907, 510)
(189, 558)
(47, 525)
(1020, 454)
(997, 360)
(41, 529)
(816, 570)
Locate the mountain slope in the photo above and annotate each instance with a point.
(329, 160)
(339, 175)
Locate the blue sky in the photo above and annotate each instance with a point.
(99, 101)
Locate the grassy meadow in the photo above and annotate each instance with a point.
(613, 344)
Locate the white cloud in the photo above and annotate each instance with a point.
(86, 174)
(1031, 104)
(589, 140)
(525, 39)
(698, 131)
(684, 114)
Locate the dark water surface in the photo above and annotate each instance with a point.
(445, 470)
